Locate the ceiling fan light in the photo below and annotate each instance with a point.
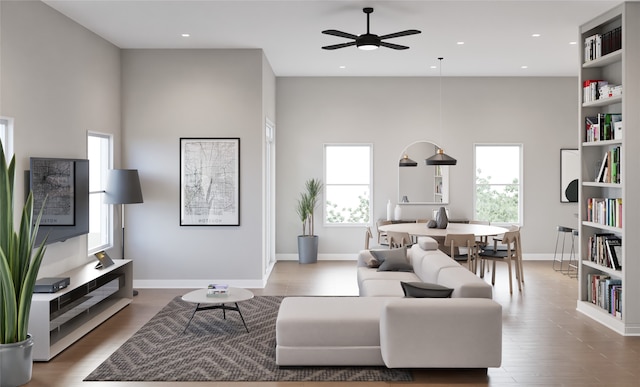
(441, 158)
(368, 42)
(368, 47)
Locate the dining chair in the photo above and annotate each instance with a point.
(467, 241)
(512, 256)
(398, 239)
(368, 235)
(481, 240)
(382, 235)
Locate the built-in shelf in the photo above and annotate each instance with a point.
(608, 296)
(59, 319)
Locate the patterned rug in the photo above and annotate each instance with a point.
(213, 349)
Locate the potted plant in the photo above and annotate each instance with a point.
(308, 241)
(19, 266)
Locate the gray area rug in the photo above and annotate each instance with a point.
(213, 349)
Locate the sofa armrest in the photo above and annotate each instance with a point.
(441, 333)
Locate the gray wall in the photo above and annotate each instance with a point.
(168, 94)
(391, 113)
(58, 81)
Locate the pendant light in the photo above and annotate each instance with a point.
(405, 161)
(441, 158)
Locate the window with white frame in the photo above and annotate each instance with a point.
(347, 184)
(100, 152)
(498, 183)
(6, 130)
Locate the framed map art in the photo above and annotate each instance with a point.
(210, 181)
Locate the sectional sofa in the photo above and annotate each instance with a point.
(384, 328)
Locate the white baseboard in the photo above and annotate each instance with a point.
(354, 257)
(321, 257)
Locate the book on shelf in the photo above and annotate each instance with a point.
(605, 211)
(603, 127)
(599, 45)
(614, 252)
(605, 292)
(609, 171)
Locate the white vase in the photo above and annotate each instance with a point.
(389, 210)
(398, 212)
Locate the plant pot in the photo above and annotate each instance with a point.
(307, 248)
(16, 363)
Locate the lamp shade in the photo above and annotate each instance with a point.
(441, 158)
(123, 187)
(405, 161)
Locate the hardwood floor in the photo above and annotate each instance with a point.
(545, 341)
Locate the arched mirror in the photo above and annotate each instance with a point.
(422, 183)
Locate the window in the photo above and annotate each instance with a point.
(6, 130)
(100, 218)
(498, 183)
(347, 184)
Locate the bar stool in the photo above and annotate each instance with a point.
(572, 270)
(562, 230)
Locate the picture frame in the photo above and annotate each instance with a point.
(53, 188)
(569, 175)
(210, 181)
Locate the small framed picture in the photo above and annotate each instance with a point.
(104, 260)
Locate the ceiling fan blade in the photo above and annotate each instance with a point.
(394, 46)
(341, 45)
(401, 33)
(340, 34)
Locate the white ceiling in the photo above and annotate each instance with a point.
(497, 35)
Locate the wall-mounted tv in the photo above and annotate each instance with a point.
(65, 185)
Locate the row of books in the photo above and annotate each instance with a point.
(599, 45)
(606, 211)
(597, 89)
(603, 127)
(606, 292)
(217, 290)
(605, 250)
(609, 171)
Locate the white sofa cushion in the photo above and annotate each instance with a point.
(441, 333)
(427, 243)
(464, 283)
(383, 287)
(329, 331)
(427, 265)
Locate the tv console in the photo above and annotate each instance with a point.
(60, 319)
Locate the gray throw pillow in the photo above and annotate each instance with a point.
(425, 290)
(395, 264)
(382, 255)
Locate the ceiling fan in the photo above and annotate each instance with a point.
(368, 41)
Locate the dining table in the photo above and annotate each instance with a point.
(421, 229)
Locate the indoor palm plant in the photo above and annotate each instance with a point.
(19, 266)
(308, 241)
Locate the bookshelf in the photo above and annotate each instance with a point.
(609, 200)
(441, 184)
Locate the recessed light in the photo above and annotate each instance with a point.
(185, 35)
(573, 43)
(343, 67)
(535, 35)
(433, 67)
(460, 43)
(524, 67)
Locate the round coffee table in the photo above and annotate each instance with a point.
(233, 296)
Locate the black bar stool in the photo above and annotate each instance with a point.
(564, 231)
